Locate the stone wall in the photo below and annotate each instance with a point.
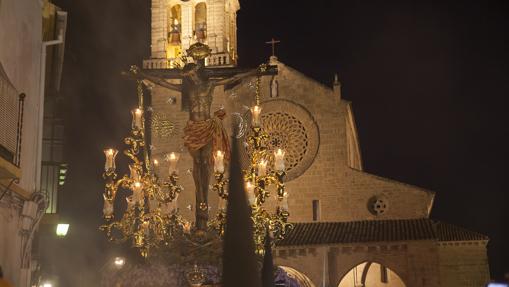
(324, 174)
(415, 262)
(463, 264)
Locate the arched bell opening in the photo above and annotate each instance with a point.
(200, 22)
(174, 43)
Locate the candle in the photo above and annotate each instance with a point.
(222, 204)
(187, 227)
(250, 192)
(155, 166)
(284, 202)
(262, 168)
(173, 158)
(110, 154)
(166, 208)
(108, 208)
(138, 192)
(279, 160)
(153, 204)
(255, 116)
(137, 119)
(219, 162)
(174, 202)
(134, 174)
(146, 227)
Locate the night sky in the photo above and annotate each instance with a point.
(429, 82)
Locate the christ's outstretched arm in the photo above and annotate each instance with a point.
(160, 82)
(137, 74)
(236, 78)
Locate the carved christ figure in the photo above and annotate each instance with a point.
(203, 134)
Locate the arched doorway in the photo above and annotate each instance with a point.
(371, 274)
(300, 277)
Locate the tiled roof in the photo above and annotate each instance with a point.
(316, 233)
(449, 232)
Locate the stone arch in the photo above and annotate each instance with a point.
(372, 274)
(200, 21)
(303, 280)
(174, 13)
(174, 31)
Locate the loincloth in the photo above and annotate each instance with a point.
(198, 134)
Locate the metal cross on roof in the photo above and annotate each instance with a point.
(273, 42)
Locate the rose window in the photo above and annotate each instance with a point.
(289, 127)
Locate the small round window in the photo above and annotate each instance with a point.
(378, 205)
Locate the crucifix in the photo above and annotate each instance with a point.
(273, 42)
(204, 133)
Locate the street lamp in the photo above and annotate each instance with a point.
(62, 229)
(119, 262)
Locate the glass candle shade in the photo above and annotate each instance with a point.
(284, 202)
(166, 208)
(137, 119)
(255, 116)
(110, 154)
(187, 227)
(153, 204)
(107, 208)
(262, 168)
(250, 187)
(138, 192)
(134, 173)
(173, 158)
(146, 227)
(219, 161)
(221, 205)
(279, 160)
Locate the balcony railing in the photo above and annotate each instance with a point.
(11, 120)
(220, 59)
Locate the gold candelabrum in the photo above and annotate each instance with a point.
(151, 218)
(259, 179)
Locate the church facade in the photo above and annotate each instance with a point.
(352, 228)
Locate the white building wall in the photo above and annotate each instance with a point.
(20, 55)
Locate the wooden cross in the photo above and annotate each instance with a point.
(273, 42)
(159, 76)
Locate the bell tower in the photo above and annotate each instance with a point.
(177, 24)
